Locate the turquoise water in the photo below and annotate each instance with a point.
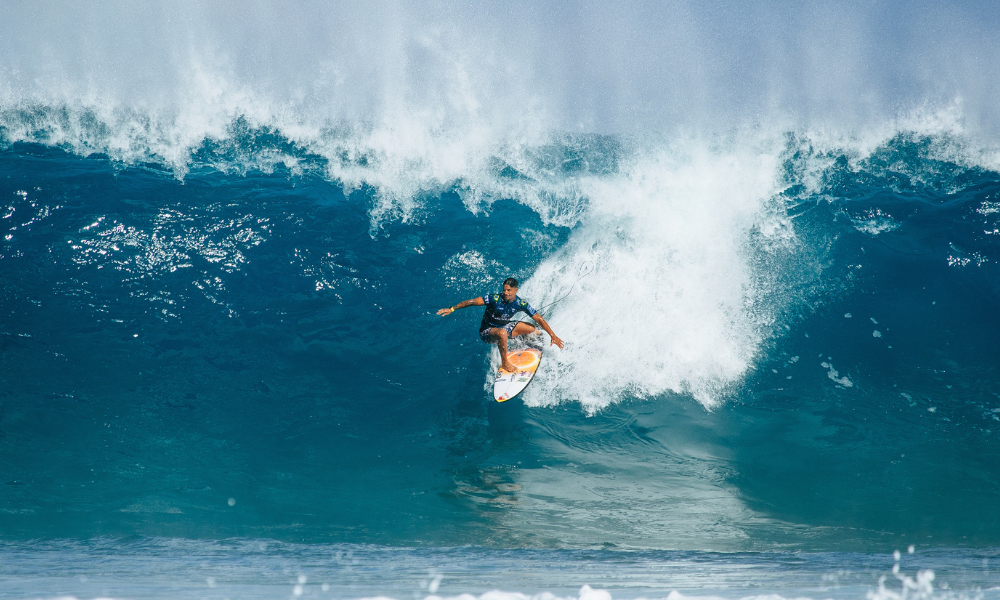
(221, 368)
(171, 345)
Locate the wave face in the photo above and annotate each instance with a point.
(220, 269)
(771, 342)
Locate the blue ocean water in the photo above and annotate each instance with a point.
(255, 356)
(222, 374)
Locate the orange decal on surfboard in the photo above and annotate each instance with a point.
(509, 385)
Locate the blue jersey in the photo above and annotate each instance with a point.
(499, 313)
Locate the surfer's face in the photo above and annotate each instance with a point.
(508, 293)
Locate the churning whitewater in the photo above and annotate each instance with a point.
(222, 369)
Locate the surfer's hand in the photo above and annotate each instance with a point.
(557, 342)
(446, 311)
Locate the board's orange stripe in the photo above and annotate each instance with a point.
(524, 359)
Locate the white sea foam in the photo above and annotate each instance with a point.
(834, 375)
(874, 222)
(472, 269)
(389, 81)
(674, 303)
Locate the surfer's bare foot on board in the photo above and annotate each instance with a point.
(507, 368)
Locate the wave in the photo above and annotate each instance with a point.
(705, 267)
(784, 273)
(221, 271)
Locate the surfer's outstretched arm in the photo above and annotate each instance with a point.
(541, 321)
(444, 312)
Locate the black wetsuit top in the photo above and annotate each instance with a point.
(499, 313)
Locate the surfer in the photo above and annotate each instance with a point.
(497, 325)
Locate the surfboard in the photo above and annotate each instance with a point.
(508, 385)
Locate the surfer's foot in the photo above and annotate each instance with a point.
(507, 368)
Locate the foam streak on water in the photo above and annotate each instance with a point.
(252, 569)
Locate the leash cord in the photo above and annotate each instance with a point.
(566, 295)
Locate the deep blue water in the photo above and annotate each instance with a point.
(171, 344)
(768, 235)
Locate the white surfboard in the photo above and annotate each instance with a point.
(508, 385)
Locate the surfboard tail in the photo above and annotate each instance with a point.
(509, 385)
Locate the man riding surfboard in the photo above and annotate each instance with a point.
(497, 324)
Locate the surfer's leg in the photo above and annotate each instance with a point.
(501, 337)
(522, 328)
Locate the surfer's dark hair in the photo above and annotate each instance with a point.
(510, 281)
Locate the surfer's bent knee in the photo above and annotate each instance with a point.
(519, 330)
